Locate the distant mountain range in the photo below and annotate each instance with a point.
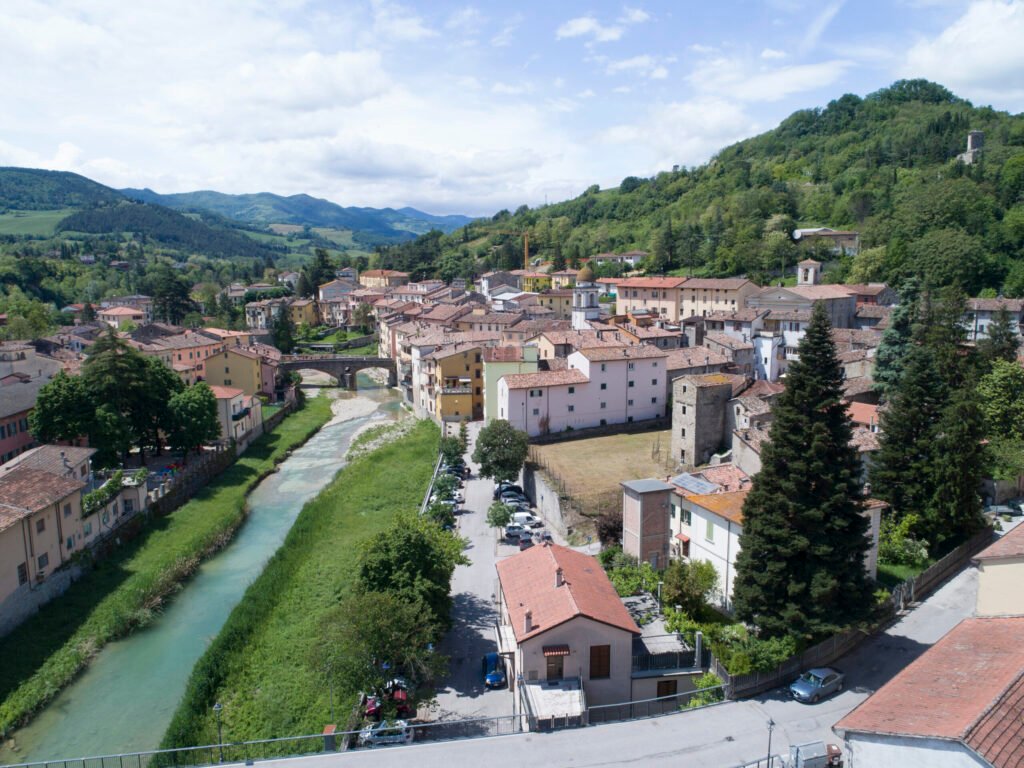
(263, 209)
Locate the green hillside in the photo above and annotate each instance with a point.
(884, 165)
(369, 225)
(33, 189)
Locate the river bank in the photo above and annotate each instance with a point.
(262, 667)
(126, 591)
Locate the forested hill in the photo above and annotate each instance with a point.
(885, 165)
(33, 189)
(264, 209)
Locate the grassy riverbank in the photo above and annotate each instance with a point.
(262, 667)
(123, 592)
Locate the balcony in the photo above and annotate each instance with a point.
(240, 414)
(456, 390)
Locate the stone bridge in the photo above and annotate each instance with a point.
(344, 369)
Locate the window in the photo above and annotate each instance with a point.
(604, 422)
(604, 405)
(684, 515)
(129, 506)
(654, 382)
(43, 560)
(709, 530)
(654, 364)
(604, 385)
(87, 530)
(227, 382)
(682, 432)
(600, 661)
(683, 407)
(40, 525)
(572, 390)
(631, 366)
(70, 543)
(667, 688)
(629, 402)
(604, 366)
(654, 401)
(536, 411)
(22, 573)
(632, 383)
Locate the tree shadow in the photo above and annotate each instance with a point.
(467, 641)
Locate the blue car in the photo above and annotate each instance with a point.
(494, 671)
(816, 684)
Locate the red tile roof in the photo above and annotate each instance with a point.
(717, 283)
(528, 583)
(968, 687)
(24, 491)
(621, 353)
(545, 379)
(1007, 546)
(226, 393)
(650, 282)
(821, 291)
(863, 413)
(693, 357)
(727, 505)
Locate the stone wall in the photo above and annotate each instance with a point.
(546, 499)
(26, 600)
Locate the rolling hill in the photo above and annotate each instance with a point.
(263, 208)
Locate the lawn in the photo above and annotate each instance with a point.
(590, 470)
(45, 653)
(43, 223)
(891, 575)
(262, 667)
(369, 350)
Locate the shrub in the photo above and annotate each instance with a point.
(897, 545)
(709, 691)
(498, 515)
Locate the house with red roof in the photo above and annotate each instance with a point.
(1000, 575)
(958, 705)
(240, 415)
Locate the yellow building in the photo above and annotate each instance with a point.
(303, 312)
(458, 383)
(535, 282)
(242, 368)
(564, 278)
(558, 301)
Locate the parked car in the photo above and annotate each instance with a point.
(815, 684)
(502, 487)
(543, 535)
(525, 540)
(460, 498)
(494, 671)
(514, 531)
(527, 520)
(386, 732)
(513, 496)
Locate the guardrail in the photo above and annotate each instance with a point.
(645, 708)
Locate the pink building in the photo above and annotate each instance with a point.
(602, 385)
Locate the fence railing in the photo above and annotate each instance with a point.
(653, 662)
(656, 707)
(919, 586)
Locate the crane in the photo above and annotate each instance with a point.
(525, 234)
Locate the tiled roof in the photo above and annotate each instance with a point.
(794, 315)
(754, 405)
(651, 282)
(863, 413)
(873, 310)
(24, 491)
(728, 476)
(49, 459)
(817, 292)
(718, 283)
(528, 584)
(383, 273)
(226, 393)
(857, 385)
(20, 397)
(968, 687)
(710, 379)
(765, 388)
(727, 505)
(122, 312)
(864, 440)
(747, 315)
(856, 338)
(725, 340)
(509, 354)
(867, 289)
(545, 379)
(1006, 546)
(602, 353)
(693, 357)
(994, 305)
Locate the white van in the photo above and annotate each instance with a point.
(527, 520)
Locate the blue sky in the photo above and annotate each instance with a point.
(454, 106)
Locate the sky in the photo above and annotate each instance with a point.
(453, 107)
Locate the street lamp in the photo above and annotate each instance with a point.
(771, 727)
(220, 738)
(660, 585)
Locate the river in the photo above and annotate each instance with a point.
(125, 700)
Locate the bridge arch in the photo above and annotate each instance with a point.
(342, 369)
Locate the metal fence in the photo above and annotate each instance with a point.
(662, 705)
(771, 761)
(917, 587)
(658, 662)
(290, 746)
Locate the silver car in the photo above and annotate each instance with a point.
(384, 732)
(815, 684)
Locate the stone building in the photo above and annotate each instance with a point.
(698, 416)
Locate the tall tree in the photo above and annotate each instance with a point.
(1001, 342)
(63, 411)
(501, 450)
(155, 418)
(896, 340)
(114, 375)
(193, 418)
(800, 569)
(283, 331)
(171, 300)
(304, 285)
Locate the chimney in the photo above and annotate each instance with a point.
(528, 621)
(559, 581)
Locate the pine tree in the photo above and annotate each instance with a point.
(800, 569)
(1001, 342)
(896, 340)
(558, 262)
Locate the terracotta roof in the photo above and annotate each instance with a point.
(729, 476)
(968, 687)
(226, 393)
(874, 310)
(754, 405)
(863, 413)
(856, 338)
(596, 354)
(796, 315)
(122, 312)
(864, 440)
(817, 292)
(383, 273)
(719, 283)
(651, 282)
(765, 388)
(710, 379)
(994, 305)
(545, 379)
(693, 357)
(1006, 546)
(725, 340)
(867, 289)
(727, 505)
(24, 491)
(747, 315)
(509, 354)
(528, 584)
(49, 459)
(858, 385)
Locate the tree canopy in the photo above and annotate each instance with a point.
(501, 451)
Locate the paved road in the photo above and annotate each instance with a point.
(473, 593)
(716, 737)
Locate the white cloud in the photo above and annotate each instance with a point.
(819, 24)
(735, 78)
(633, 16)
(980, 55)
(644, 65)
(396, 22)
(511, 89)
(507, 32)
(588, 26)
(585, 94)
(702, 49)
(772, 53)
(468, 20)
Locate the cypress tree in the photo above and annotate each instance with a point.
(800, 569)
(896, 340)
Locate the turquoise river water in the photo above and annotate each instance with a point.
(124, 701)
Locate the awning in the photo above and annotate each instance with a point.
(556, 650)
(682, 537)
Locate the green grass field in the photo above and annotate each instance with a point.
(39, 223)
(262, 666)
(45, 653)
(891, 575)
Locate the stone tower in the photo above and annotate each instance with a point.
(698, 417)
(808, 272)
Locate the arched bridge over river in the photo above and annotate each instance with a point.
(344, 369)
